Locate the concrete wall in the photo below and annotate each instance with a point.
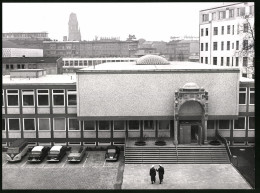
(152, 94)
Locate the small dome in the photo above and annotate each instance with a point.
(191, 85)
(152, 60)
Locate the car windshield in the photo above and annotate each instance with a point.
(111, 151)
(54, 152)
(12, 150)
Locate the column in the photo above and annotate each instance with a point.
(205, 126)
(176, 131)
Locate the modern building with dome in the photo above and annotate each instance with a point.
(151, 98)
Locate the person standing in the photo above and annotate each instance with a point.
(152, 174)
(160, 171)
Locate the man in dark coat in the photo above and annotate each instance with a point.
(152, 174)
(160, 170)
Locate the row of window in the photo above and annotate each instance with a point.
(231, 12)
(59, 124)
(243, 95)
(43, 98)
(18, 66)
(239, 124)
(229, 61)
(228, 46)
(90, 62)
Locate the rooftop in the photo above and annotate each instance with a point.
(29, 60)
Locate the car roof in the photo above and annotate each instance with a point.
(37, 148)
(56, 148)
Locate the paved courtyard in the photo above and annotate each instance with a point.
(185, 176)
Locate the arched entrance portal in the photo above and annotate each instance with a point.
(190, 115)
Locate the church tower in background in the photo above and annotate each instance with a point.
(74, 31)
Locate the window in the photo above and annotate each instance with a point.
(252, 96)
(43, 124)
(148, 125)
(240, 123)
(14, 124)
(222, 45)
(237, 61)
(238, 11)
(231, 13)
(104, 125)
(242, 11)
(164, 125)
(72, 97)
(224, 124)
(215, 32)
(251, 122)
(244, 75)
(18, 66)
(3, 98)
(73, 124)
(238, 28)
(89, 126)
(211, 124)
(215, 45)
(242, 96)
(201, 32)
(29, 124)
(214, 16)
(222, 61)
(58, 97)
(12, 98)
(201, 59)
(28, 98)
(245, 44)
(232, 61)
(228, 45)
(228, 29)
(11, 66)
(59, 124)
(228, 62)
(245, 61)
(215, 61)
(43, 97)
(222, 15)
(201, 46)
(233, 29)
(3, 124)
(207, 47)
(237, 45)
(205, 17)
(252, 9)
(206, 60)
(22, 66)
(7, 66)
(119, 125)
(245, 27)
(207, 32)
(133, 125)
(222, 30)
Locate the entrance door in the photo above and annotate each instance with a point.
(194, 133)
(185, 134)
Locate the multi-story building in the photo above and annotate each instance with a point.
(227, 36)
(74, 31)
(96, 48)
(182, 101)
(52, 65)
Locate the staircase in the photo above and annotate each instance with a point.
(181, 155)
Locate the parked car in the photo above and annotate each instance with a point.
(56, 153)
(38, 153)
(112, 153)
(76, 154)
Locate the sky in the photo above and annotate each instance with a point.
(151, 21)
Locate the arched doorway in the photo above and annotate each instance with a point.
(190, 114)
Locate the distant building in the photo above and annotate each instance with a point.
(20, 52)
(91, 49)
(52, 65)
(74, 31)
(183, 50)
(226, 36)
(151, 47)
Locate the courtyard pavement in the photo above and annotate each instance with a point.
(185, 176)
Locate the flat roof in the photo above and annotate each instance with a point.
(55, 79)
(243, 79)
(231, 4)
(108, 58)
(173, 66)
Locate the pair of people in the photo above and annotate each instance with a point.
(160, 171)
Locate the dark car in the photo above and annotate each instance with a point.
(38, 153)
(56, 153)
(112, 153)
(76, 153)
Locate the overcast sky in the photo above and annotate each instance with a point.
(151, 21)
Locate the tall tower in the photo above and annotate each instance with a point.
(74, 31)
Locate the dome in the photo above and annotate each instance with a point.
(151, 60)
(191, 85)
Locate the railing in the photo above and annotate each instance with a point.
(224, 140)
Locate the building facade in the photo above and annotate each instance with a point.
(52, 65)
(74, 31)
(147, 98)
(227, 37)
